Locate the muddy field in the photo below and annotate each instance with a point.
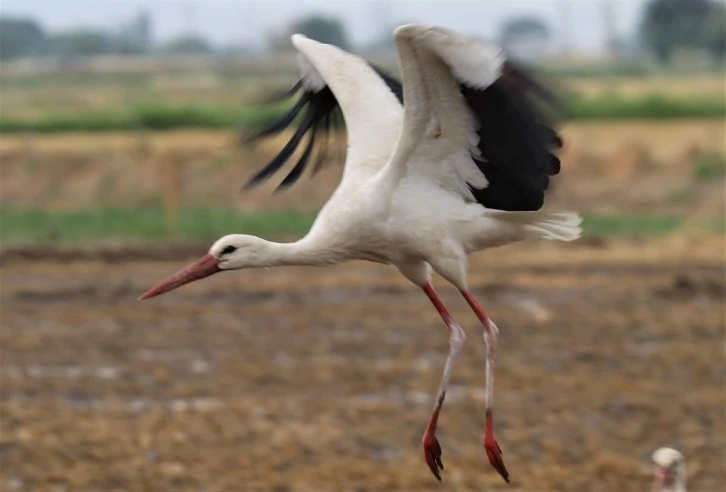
(302, 379)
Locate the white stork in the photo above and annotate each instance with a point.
(670, 470)
(462, 166)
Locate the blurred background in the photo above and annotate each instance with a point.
(120, 160)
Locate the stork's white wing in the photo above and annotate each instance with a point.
(472, 120)
(334, 81)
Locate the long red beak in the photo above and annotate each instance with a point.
(203, 267)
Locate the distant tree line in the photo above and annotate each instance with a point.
(670, 25)
(666, 27)
(26, 37)
(318, 27)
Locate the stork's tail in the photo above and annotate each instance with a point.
(559, 226)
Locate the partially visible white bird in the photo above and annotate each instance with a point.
(462, 166)
(670, 471)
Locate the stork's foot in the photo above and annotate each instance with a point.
(432, 453)
(494, 453)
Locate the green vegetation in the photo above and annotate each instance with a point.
(168, 117)
(35, 226)
(629, 225)
(680, 196)
(649, 107)
(632, 69)
(709, 166)
(149, 117)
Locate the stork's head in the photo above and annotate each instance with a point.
(670, 470)
(231, 252)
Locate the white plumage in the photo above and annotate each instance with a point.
(670, 470)
(453, 160)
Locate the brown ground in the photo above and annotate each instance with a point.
(702, 85)
(323, 379)
(642, 163)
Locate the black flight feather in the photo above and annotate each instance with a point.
(282, 123)
(297, 171)
(322, 154)
(516, 140)
(317, 105)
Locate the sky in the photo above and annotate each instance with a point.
(579, 23)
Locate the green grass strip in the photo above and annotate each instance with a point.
(36, 226)
(648, 107)
(167, 117)
(629, 225)
(151, 117)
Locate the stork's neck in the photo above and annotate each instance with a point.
(306, 251)
(678, 485)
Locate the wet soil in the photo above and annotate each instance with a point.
(322, 379)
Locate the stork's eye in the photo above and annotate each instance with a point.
(229, 249)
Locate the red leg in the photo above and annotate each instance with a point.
(494, 452)
(431, 446)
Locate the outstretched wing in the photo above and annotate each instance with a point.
(317, 111)
(490, 117)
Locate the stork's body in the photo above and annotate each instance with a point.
(403, 231)
(462, 166)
